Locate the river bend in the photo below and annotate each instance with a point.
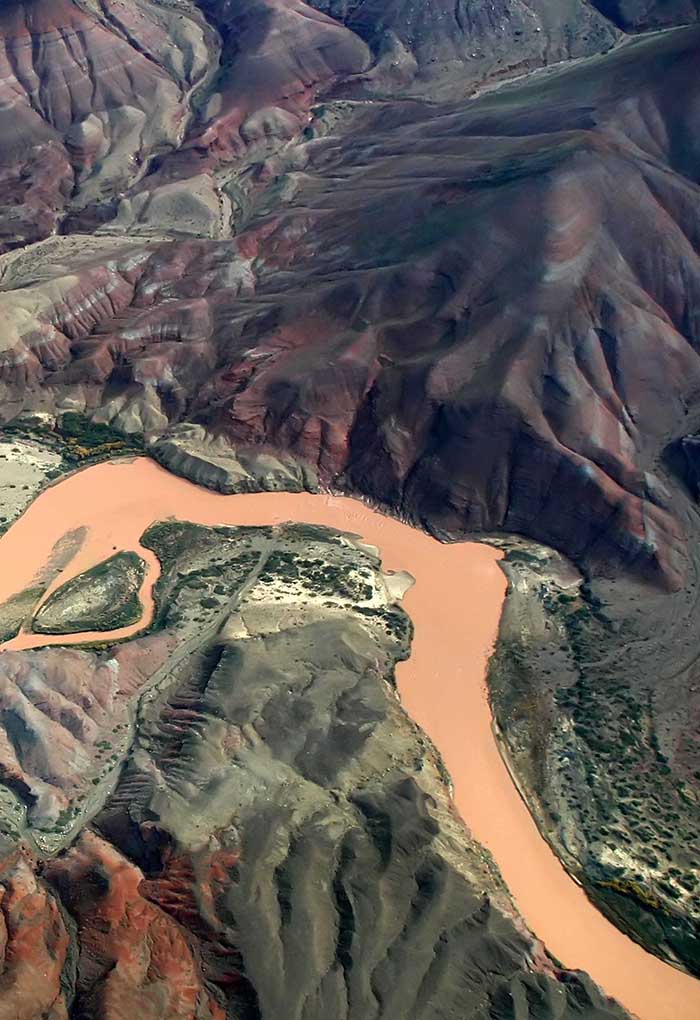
(455, 606)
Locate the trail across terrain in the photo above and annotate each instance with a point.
(455, 605)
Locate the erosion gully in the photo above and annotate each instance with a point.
(455, 605)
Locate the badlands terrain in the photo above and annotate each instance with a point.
(442, 257)
(223, 810)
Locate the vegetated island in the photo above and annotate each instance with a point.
(103, 598)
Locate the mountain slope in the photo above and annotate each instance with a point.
(340, 233)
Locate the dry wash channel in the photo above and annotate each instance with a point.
(455, 605)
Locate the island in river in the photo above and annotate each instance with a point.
(256, 774)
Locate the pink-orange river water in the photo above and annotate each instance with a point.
(455, 605)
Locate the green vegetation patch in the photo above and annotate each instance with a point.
(101, 599)
(76, 438)
(323, 578)
(198, 562)
(86, 439)
(583, 734)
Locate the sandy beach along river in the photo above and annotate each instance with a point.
(455, 605)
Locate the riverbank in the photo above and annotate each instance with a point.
(455, 605)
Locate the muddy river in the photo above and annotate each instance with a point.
(455, 605)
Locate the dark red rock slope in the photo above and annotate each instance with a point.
(505, 299)
(483, 314)
(34, 945)
(275, 56)
(135, 960)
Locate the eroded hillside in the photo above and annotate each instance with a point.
(441, 256)
(250, 825)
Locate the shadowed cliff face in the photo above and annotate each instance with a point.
(648, 14)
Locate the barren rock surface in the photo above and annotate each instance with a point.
(460, 382)
(443, 256)
(210, 460)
